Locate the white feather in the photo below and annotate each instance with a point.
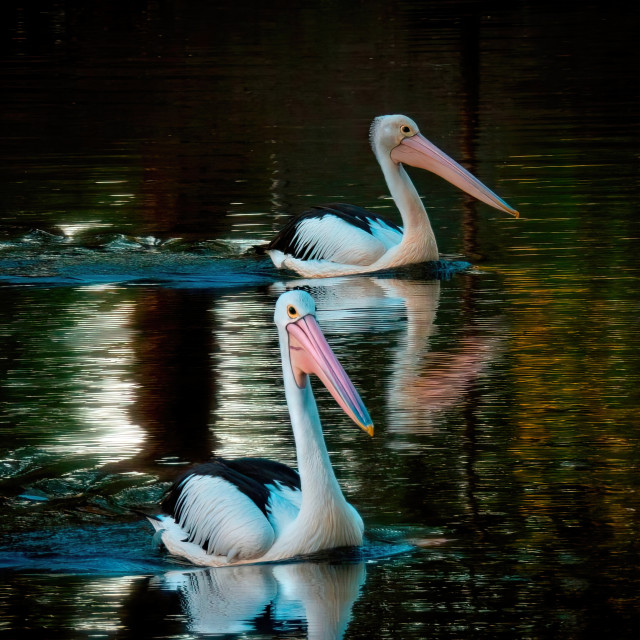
(385, 233)
(218, 515)
(283, 507)
(277, 257)
(175, 539)
(332, 238)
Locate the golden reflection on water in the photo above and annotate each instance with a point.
(573, 383)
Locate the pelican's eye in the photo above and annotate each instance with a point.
(292, 312)
(406, 129)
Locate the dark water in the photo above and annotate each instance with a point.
(147, 145)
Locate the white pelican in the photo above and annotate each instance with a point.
(342, 239)
(255, 510)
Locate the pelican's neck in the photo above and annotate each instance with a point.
(317, 479)
(325, 520)
(418, 239)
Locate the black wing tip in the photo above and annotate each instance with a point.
(148, 513)
(259, 249)
(267, 471)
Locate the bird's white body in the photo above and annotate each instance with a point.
(338, 239)
(253, 510)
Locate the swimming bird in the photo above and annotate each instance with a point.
(343, 239)
(256, 510)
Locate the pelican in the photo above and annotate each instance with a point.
(343, 239)
(255, 510)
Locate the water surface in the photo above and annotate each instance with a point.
(146, 148)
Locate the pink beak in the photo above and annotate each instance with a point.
(417, 151)
(310, 353)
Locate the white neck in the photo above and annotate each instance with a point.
(317, 479)
(325, 519)
(418, 239)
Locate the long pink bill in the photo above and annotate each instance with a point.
(310, 353)
(417, 151)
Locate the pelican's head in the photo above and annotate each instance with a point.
(308, 352)
(387, 132)
(397, 137)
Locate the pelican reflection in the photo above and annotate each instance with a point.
(272, 597)
(419, 384)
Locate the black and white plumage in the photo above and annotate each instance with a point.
(342, 239)
(319, 234)
(256, 510)
(260, 494)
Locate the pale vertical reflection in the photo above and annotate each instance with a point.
(418, 385)
(425, 384)
(100, 341)
(238, 600)
(363, 320)
(98, 605)
(252, 417)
